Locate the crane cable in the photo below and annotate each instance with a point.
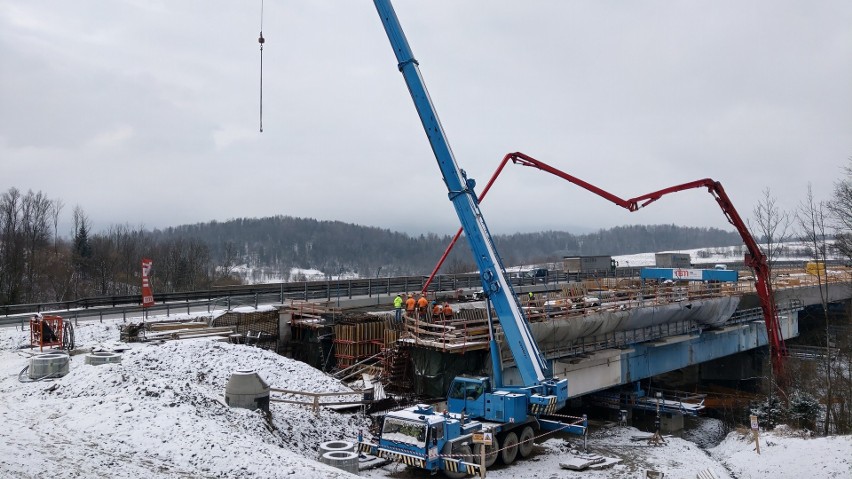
(261, 40)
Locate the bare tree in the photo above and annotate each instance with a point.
(840, 209)
(772, 225)
(229, 259)
(11, 247)
(841, 213)
(55, 210)
(812, 220)
(35, 212)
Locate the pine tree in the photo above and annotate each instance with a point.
(82, 247)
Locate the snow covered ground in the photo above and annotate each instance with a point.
(158, 414)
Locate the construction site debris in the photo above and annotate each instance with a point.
(578, 463)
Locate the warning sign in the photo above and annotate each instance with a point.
(482, 438)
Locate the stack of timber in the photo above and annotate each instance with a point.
(358, 338)
(258, 328)
(466, 331)
(171, 330)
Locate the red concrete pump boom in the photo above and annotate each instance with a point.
(754, 259)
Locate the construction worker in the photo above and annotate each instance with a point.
(532, 299)
(422, 304)
(448, 312)
(410, 305)
(436, 311)
(397, 306)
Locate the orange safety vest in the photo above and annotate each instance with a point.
(409, 304)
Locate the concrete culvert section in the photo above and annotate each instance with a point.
(246, 389)
(101, 357)
(49, 365)
(331, 446)
(345, 460)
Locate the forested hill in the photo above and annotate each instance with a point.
(334, 247)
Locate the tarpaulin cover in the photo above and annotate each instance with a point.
(435, 370)
(558, 333)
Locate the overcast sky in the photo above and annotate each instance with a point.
(146, 112)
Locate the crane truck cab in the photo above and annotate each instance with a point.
(420, 437)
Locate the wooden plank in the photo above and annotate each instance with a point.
(174, 326)
(467, 346)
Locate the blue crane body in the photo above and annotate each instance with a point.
(421, 437)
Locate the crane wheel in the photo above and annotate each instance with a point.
(466, 455)
(527, 440)
(490, 452)
(510, 448)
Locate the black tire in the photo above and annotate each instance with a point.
(466, 455)
(526, 441)
(510, 448)
(491, 452)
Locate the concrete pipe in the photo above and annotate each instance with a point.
(344, 460)
(246, 389)
(49, 365)
(329, 446)
(334, 446)
(102, 357)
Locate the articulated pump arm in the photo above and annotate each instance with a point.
(755, 259)
(531, 363)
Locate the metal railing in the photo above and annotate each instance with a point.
(308, 290)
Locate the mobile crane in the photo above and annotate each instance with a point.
(507, 415)
(754, 259)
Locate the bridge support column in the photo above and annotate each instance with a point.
(671, 422)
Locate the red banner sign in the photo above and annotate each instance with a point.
(147, 295)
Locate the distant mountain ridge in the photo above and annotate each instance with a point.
(280, 243)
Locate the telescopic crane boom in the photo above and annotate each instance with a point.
(530, 361)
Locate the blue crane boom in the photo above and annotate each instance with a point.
(477, 407)
(530, 362)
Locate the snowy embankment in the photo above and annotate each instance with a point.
(786, 453)
(159, 414)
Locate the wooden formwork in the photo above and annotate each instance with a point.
(396, 366)
(358, 339)
(391, 336)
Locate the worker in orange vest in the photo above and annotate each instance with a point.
(436, 311)
(410, 304)
(422, 304)
(448, 312)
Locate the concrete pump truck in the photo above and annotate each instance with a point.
(484, 418)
